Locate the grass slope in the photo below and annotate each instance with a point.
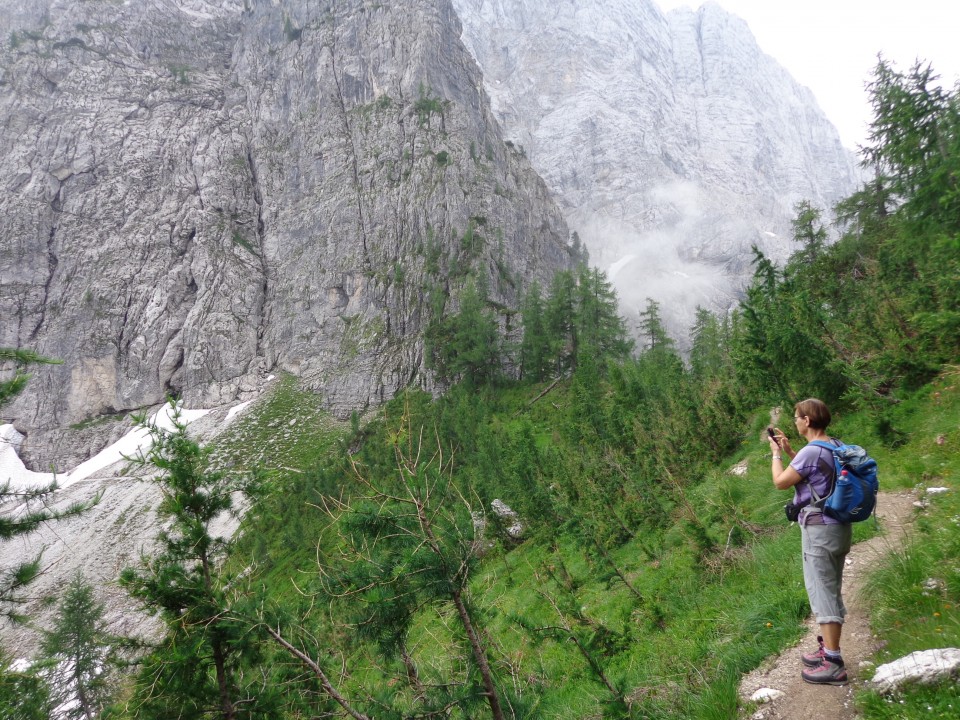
(915, 595)
(661, 627)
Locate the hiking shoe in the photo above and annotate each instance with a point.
(828, 672)
(814, 659)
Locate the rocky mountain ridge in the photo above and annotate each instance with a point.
(671, 141)
(201, 192)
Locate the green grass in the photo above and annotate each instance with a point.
(918, 421)
(284, 436)
(942, 701)
(283, 433)
(705, 621)
(679, 650)
(915, 594)
(98, 420)
(700, 610)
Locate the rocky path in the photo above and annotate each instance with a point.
(799, 700)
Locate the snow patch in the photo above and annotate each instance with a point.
(235, 410)
(12, 469)
(136, 441)
(619, 265)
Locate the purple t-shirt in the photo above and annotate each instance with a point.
(815, 465)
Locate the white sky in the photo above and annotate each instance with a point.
(831, 45)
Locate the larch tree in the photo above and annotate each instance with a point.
(600, 328)
(560, 319)
(535, 345)
(408, 543)
(81, 654)
(198, 666)
(24, 510)
(809, 231)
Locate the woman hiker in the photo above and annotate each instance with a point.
(825, 541)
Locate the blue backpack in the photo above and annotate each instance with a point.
(855, 487)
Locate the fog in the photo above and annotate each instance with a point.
(695, 252)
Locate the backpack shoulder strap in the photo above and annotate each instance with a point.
(831, 446)
(836, 463)
(821, 443)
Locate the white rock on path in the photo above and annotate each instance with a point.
(924, 667)
(765, 695)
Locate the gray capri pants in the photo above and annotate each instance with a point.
(825, 548)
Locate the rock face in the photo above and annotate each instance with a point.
(198, 192)
(671, 142)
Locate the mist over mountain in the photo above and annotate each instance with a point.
(671, 142)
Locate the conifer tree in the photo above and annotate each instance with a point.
(599, 327)
(560, 316)
(915, 143)
(23, 693)
(651, 324)
(80, 653)
(708, 352)
(470, 348)
(808, 231)
(20, 359)
(578, 249)
(867, 209)
(408, 543)
(23, 511)
(535, 346)
(757, 352)
(196, 669)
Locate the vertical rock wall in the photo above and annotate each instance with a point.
(198, 193)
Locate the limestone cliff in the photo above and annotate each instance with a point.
(199, 192)
(671, 142)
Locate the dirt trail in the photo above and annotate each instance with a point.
(800, 700)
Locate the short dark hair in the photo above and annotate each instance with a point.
(816, 411)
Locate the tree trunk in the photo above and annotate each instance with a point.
(413, 676)
(82, 699)
(227, 709)
(480, 656)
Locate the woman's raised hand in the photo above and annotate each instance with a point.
(781, 442)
